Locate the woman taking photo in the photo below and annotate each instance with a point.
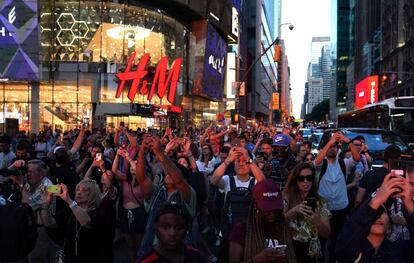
(265, 237)
(306, 213)
(85, 229)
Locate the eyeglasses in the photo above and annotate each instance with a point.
(302, 178)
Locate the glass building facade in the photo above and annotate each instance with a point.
(83, 44)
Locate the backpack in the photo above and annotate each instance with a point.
(236, 205)
(325, 167)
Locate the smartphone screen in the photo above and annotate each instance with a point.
(397, 166)
(53, 189)
(98, 156)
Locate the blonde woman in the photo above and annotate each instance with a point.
(85, 228)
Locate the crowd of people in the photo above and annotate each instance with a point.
(218, 194)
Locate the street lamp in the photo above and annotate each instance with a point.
(242, 82)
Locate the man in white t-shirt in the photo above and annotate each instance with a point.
(243, 165)
(238, 190)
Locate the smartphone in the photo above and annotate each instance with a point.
(98, 156)
(260, 154)
(54, 189)
(235, 142)
(281, 247)
(397, 166)
(122, 124)
(311, 202)
(152, 132)
(85, 123)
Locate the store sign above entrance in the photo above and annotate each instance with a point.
(159, 78)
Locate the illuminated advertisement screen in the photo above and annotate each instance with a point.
(366, 91)
(214, 64)
(19, 50)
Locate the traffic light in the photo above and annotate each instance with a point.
(278, 53)
(383, 81)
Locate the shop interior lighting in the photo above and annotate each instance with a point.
(119, 31)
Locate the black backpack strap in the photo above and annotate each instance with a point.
(251, 184)
(323, 169)
(232, 183)
(343, 167)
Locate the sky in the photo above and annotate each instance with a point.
(310, 18)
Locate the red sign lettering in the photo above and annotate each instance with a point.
(366, 91)
(159, 78)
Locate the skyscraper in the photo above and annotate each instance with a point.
(342, 47)
(260, 19)
(316, 48)
(319, 72)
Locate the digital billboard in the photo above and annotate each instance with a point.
(19, 40)
(214, 64)
(366, 91)
(210, 60)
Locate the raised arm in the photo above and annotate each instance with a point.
(171, 169)
(132, 140)
(219, 172)
(146, 184)
(119, 175)
(322, 153)
(78, 142)
(80, 214)
(354, 151)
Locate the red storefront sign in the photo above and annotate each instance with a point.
(159, 78)
(366, 91)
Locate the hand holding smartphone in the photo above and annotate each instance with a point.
(54, 189)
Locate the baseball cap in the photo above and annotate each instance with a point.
(281, 140)
(268, 195)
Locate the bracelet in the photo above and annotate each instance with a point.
(73, 205)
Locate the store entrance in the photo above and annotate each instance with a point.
(134, 122)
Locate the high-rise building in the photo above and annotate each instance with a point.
(305, 101)
(63, 63)
(367, 52)
(326, 74)
(314, 90)
(342, 52)
(260, 21)
(397, 48)
(316, 48)
(319, 73)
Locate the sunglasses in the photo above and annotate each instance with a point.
(302, 178)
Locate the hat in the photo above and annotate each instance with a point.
(172, 207)
(268, 195)
(281, 140)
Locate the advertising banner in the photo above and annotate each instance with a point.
(366, 91)
(210, 65)
(19, 38)
(275, 100)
